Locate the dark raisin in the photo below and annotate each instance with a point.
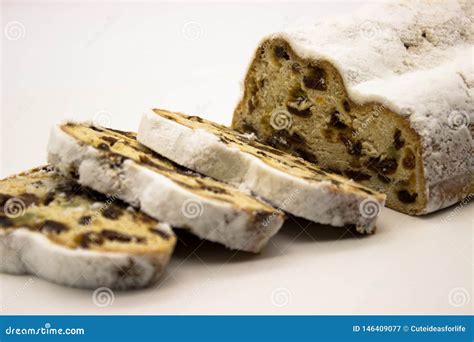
(214, 189)
(50, 196)
(69, 188)
(353, 148)
(3, 199)
(383, 178)
(195, 118)
(364, 189)
(73, 172)
(28, 199)
(52, 226)
(112, 212)
(336, 122)
(297, 139)
(210, 188)
(225, 140)
(315, 79)
(251, 106)
(103, 147)
(300, 112)
(398, 142)
(5, 221)
(406, 197)
(347, 106)
(147, 161)
(97, 129)
(357, 175)
(247, 127)
(116, 161)
(113, 235)
(357, 148)
(85, 220)
(328, 134)
(97, 196)
(306, 155)
(384, 166)
(280, 52)
(110, 140)
(409, 161)
(164, 235)
(90, 238)
(261, 216)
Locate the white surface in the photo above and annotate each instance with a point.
(111, 62)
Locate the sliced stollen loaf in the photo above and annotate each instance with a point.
(292, 184)
(384, 97)
(60, 231)
(114, 163)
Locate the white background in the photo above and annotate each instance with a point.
(110, 62)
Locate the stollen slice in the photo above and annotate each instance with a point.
(115, 163)
(290, 183)
(63, 232)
